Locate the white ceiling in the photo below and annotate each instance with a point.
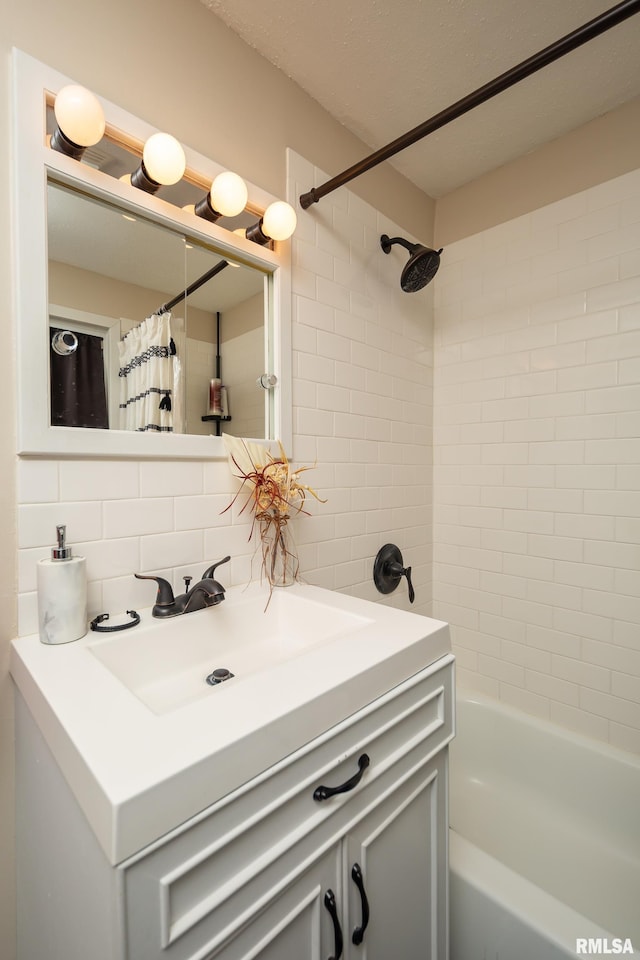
(381, 67)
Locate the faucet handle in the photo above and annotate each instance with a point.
(164, 596)
(208, 574)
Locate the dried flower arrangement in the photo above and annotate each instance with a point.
(276, 493)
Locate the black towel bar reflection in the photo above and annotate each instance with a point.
(323, 793)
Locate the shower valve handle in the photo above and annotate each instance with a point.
(389, 569)
(397, 570)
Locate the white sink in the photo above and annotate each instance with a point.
(145, 743)
(166, 663)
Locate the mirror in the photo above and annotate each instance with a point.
(107, 272)
(95, 258)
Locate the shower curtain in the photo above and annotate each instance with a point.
(148, 365)
(78, 394)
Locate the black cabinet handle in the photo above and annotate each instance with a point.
(330, 904)
(323, 793)
(358, 933)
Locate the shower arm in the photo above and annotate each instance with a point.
(593, 28)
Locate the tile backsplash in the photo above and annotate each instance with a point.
(537, 460)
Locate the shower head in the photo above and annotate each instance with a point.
(420, 268)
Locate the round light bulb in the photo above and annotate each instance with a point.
(279, 220)
(79, 115)
(164, 159)
(229, 194)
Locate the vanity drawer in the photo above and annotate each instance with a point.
(183, 892)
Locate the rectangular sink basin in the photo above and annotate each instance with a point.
(165, 663)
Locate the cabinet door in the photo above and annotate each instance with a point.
(400, 880)
(298, 923)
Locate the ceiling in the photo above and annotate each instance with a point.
(381, 67)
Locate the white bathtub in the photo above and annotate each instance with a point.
(544, 840)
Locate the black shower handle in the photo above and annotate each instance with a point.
(397, 570)
(389, 569)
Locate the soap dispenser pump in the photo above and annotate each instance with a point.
(62, 594)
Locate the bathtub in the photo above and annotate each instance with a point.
(544, 840)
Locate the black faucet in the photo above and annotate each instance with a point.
(206, 593)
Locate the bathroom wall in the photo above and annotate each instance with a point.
(537, 460)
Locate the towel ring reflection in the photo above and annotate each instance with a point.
(64, 342)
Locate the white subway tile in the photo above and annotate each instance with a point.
(37, 481)
(555, 548)
(170, 549)
(586, 477)
(617, 346)
(554, 641)
(528, 521)
(133, 518)
(555, 594)
(557, 404)
(610, 707)
(501, 670)
(589, 427)
(613, 294)
(583, 625)
(172, 478)
(558, 501)
(525, 700)
(558, 452)
(588, 377)
(552, 687)
(584, 527)
(612, 451)
(37, 523)
(613, 605)
(584, 575)
(98, 480)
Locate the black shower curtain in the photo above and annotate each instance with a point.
(78, 395)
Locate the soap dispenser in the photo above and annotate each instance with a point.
(62, 594)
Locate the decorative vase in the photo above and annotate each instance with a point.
(279, 558)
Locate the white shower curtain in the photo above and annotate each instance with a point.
(147, 360)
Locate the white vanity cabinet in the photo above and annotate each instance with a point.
(253, 875)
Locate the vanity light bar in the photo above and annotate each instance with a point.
(81, 124)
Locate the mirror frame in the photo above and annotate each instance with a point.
(33, 163)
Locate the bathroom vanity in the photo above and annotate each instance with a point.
(296, 810)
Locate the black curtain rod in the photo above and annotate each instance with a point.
(610, 18)
(219, 267)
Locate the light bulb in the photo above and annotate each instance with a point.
(79, 115)
(279, 220)
(164, 159)
(229, 194)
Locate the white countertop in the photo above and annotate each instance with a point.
(137, 774)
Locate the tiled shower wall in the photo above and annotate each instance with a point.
(362, 395)
(537, 460)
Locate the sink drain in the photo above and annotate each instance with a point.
(219, 675)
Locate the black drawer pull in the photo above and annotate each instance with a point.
(358, 933)
(323, 793)
(330, 904)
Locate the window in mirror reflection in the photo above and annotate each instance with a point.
(118, 360)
